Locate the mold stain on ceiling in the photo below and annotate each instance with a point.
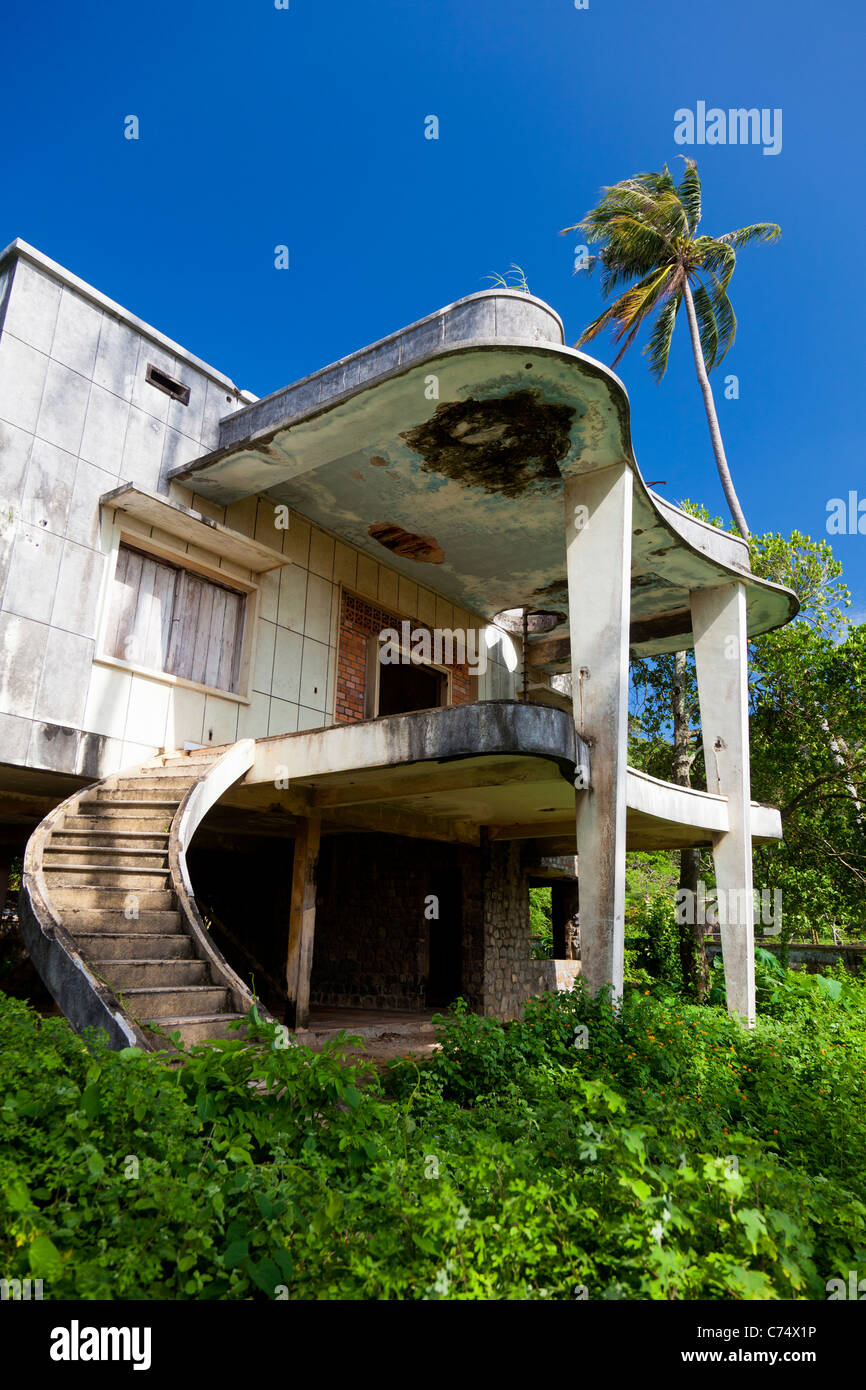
(505, 446)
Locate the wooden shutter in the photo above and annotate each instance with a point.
(207, 633)
(139, 624)
(172, 620)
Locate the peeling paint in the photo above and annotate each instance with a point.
(424, 549)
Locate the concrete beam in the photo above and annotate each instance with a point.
(532, 830)
(419, 780)
(396, 820)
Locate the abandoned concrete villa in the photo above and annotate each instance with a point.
(216, 767)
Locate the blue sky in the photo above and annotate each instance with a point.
(305, 127)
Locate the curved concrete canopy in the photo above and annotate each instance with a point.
(445, 773)
(448, 443)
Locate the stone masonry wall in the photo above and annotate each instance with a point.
(373, 942)
(371, 935)
(511, 976)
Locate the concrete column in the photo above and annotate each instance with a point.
(598, 518)
(302, 922)
(721, 657)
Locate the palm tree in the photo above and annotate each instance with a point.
(647, 227)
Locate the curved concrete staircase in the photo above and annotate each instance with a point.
(107, 909)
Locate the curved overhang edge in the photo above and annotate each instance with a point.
(681, 526)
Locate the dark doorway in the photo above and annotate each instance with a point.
(565, 909)
(445, 932)
(405, 688)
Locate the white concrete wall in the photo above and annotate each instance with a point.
(78, 419)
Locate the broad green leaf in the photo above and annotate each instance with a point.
(236, 1252)
(44, 1258)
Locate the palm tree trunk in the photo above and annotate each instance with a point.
(712, 418)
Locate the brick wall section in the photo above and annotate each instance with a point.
(358, 621)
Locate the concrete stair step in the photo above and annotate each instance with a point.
(127, 946)
(103, 834)
(104, 856)
(83, 921)
(85, 895)
(198, 1028)
(207, 754)
(318, 1033)
(94, 806)
(131, 879)
(159, 786)
(140, 973)
(176, 771)
(117, 821)
(137, 795)
(176, 1001)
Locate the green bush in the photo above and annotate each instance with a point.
(654, 937)
(541, 923)
(655, 1151)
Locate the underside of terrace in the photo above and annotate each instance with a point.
(497, 769)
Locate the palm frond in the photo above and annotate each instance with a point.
(606, 319)
(689, 194)
(588, 266)
(759, 231)
(715, 255)
(726, 319)
(707, 326)
(630, 309)
(635, 305)
(661, 211)
(659, 346)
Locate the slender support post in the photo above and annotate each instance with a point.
(5, 871)
(565, 908)
(598, 519)
(302, 922)
(721, 658)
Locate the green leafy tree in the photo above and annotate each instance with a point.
(666, 743)
(808, 736)
(807, 696)
(647, 228)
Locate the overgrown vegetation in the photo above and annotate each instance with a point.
(541, 923)
(672, 1156)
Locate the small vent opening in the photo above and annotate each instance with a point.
(163, 382)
